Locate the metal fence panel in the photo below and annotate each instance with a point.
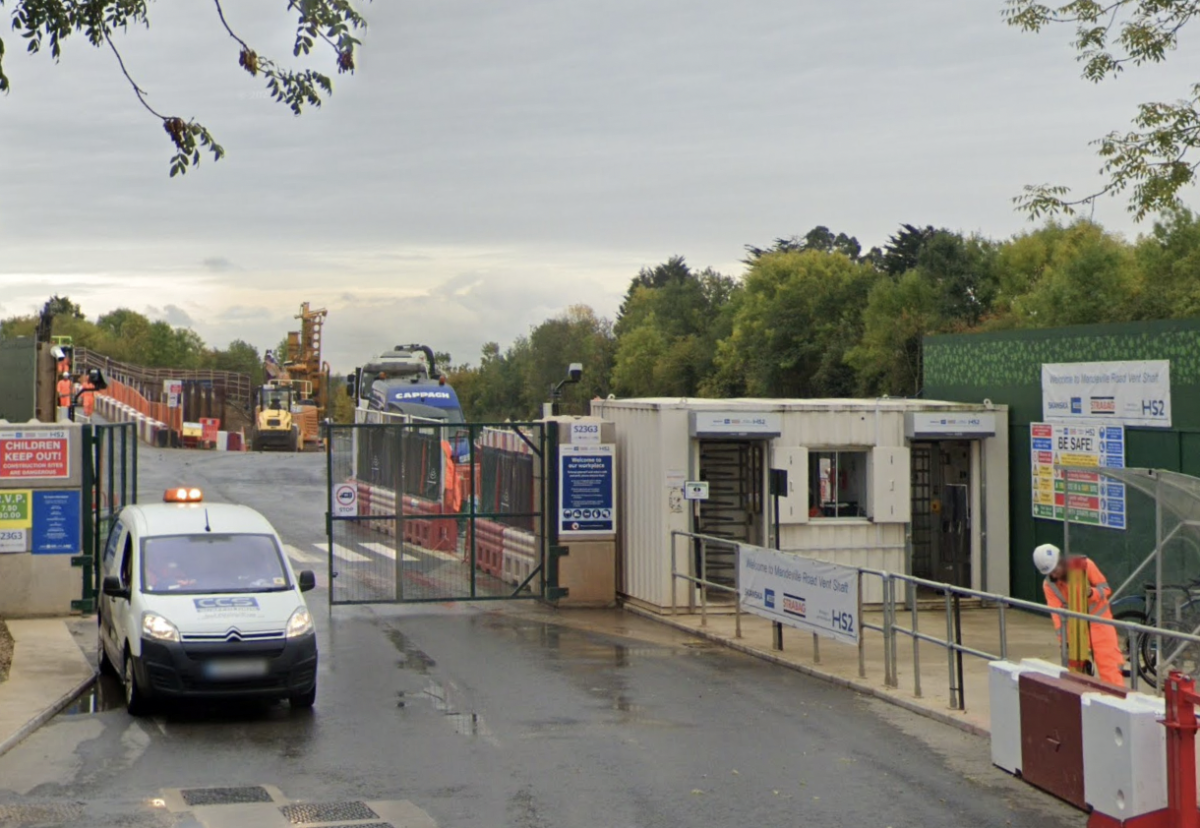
(422, 511)
(110, 484)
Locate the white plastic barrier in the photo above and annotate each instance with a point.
(1004, 698)
(1125, 755)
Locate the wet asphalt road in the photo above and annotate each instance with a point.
(510, 716)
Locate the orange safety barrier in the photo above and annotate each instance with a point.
(171, 417)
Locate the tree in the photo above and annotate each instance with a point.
(46, 24)
(797, 316)
(898, 317)
(1156, 159)
(1066, 275)
(1169, 258)
(819, 238)
(901, 251)
(242, 357)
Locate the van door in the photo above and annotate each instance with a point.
(110, 565)
(121, 606)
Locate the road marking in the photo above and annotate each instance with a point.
(387, 551)
(297, 554)
(347, 555)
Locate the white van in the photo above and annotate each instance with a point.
(199, 600)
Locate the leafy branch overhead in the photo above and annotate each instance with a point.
(328, 24)
(1156, 159)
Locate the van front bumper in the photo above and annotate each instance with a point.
(272, 669)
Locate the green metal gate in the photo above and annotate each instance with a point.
(420, 511)
(109, 466)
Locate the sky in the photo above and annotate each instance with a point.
(492, 163)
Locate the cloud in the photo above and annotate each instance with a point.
(219, 264)
(173, 315)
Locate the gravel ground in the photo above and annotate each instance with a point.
(6, 650)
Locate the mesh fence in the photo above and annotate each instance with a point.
(431, 512)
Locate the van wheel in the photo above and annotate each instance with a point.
(304, 701)
(135, 702)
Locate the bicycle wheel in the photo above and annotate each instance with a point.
(1144, 667)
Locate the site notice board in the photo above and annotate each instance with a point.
(1081, 495)
(40, 504)
(587, 490)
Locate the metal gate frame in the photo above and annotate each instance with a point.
(110, 472)
(544, 447)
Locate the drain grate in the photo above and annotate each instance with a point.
(306, 813)
(38, 814)
(225, 796)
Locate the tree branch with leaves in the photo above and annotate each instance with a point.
(1155, 160)
(332, 24)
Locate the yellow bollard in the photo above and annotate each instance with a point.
(1079, 649)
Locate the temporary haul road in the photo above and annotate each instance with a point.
(506, 715)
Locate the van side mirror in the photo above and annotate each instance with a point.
(113, 589)
(308, 580)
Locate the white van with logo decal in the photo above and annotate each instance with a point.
(199, 600)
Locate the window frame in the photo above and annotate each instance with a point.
(862, 474)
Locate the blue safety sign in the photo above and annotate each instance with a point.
(587, 490)
(56, 523)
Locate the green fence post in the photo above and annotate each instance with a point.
(87, 560)
(554, 550)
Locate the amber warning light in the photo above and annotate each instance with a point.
(182, 495)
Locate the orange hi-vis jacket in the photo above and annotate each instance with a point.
(1106, 649)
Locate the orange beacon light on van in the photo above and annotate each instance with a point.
(183, 495)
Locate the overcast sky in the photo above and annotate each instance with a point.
(492, 162)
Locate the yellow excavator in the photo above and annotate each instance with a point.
(301, 370)
(274, 425)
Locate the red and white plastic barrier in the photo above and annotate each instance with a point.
(1099, 747)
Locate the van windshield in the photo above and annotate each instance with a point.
(211, 563)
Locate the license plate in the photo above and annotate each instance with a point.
(240, 668)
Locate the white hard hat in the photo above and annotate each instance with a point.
(1046, 557)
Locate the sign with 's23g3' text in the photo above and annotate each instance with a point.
(800, 592)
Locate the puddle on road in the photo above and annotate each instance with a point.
(104, 694)
(413, 657)
(436, 694)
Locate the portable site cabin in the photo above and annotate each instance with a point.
(894, 484)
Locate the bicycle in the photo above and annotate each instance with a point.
(1183, 616)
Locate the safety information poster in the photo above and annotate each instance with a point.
(1084, 496)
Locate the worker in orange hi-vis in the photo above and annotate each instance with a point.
(64, 390)
(88, 397)
(1106, 649)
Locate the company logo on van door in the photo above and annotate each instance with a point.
(226, 603)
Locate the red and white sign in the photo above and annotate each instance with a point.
(34, 454)
(209, 426)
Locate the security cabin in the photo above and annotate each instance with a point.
(199, 600)
(900, 485)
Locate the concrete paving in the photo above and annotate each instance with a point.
(48, 672)
(924, 689)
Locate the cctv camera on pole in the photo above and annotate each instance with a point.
(574, 375)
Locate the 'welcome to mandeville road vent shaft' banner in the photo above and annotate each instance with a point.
(800, 592)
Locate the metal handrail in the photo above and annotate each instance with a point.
(891, 629)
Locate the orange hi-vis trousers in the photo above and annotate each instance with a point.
(1106, 648)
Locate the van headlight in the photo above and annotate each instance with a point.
(158, 628)
(299, 624)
